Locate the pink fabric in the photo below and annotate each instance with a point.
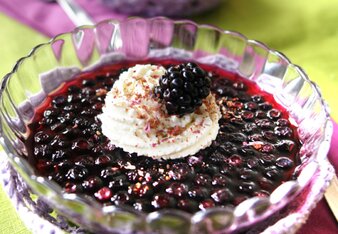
(321, 220)
(49, 19)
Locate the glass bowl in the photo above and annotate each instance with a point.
(27, 86)
(172, 8)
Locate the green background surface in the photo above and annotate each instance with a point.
(305, 31)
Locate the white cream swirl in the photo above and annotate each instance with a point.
(135, 121)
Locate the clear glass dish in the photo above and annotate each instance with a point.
(26, 87)
(172, 8)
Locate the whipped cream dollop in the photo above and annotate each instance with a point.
(134, 120)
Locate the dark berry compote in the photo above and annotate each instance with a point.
(256, 148)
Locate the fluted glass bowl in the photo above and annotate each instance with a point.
(172, 8)
(110, 41)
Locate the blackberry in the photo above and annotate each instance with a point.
(183, 88)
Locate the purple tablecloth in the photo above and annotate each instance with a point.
(49, 18)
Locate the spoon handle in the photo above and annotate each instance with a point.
(75, 12)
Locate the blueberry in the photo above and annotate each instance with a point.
(103, 194)
(42, 137)
(43, 151)
(247, 174)
(59, 101)
(84, 160)
(77, 173)
(88, 83)
(247, 187)
(272, 174)
(81, 145)
(161, 201)
(251, 106)
(286, 145)
(222, 195)
(140, 190)
(142, 205)
(121, 197)
(198, 193)
(225, 91)
(208, 203)
(103, 160)
(265, 106)
(257, 98)
(119, 182)
(239, 86)
(51, 112)
(180, 171)
(109, 173)
(274, 114)
(202, 179)
(177, 189)
(220, 180)
(73, 188)
(284, 163)
(92, 183)
(187, 205)
(248, 115)
(60, 154)
(283, 131)
(267, 159)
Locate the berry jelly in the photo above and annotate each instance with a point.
(255, 151)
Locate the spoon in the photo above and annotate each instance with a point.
(75, 12)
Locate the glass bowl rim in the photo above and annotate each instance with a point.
(27, 172)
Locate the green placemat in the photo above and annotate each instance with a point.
(305, 31)
(16, 40)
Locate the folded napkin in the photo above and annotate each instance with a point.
(321, 220)
(49, 19)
